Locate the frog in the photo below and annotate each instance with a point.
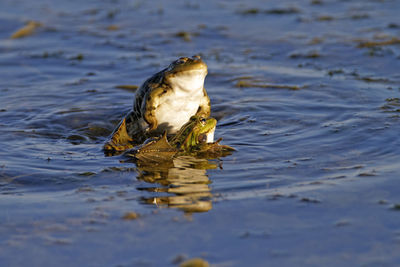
(196, 131)
(164, 103)
(195, 136)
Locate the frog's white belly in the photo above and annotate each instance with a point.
(175, 110)
(183, 100)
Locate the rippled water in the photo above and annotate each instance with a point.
(308, 92)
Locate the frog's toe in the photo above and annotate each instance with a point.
(112, 146)
(120, 139)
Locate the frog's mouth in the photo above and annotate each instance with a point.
(207, 137)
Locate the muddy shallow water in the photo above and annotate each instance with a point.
(308, 92)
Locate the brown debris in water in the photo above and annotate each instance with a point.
(247, 84)
(396, 207)
(130, 216)
(112, 27)
(195, 262)
(128, 87)
(393, 41)
(26, 30)
(325, 18)
(78, 57)
(392, 105)
(310, 54)
(273, 11)
(186, 36)
(374, 80)
(316, 40)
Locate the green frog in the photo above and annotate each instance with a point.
(191, 139)
(164, 103)
(196, 131)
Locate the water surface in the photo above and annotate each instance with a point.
(308, 92)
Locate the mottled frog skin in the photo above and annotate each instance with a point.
(197, 131)
(165, 102)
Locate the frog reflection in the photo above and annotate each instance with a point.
(183, 183)
(179, 165)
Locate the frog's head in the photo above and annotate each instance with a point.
(186, 73)
(197, 130)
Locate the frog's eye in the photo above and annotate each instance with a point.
(181, 60)
(203, 121)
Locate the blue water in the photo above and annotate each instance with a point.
(312, 111)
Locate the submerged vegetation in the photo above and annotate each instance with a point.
(368, 44)
(254, 83)
(272, 11)
(26, 30)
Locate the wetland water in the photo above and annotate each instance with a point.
(308, 92)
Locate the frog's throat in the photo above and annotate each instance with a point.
(187, 81)
(210, 135)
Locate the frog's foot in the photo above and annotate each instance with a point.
(120, 139)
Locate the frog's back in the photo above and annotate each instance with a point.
(139, 102)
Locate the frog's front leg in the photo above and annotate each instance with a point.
(149, 106)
